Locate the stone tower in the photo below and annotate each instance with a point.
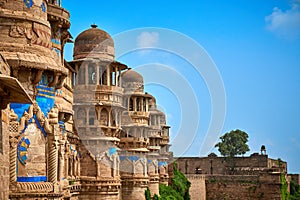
(98, 97)
(41, 139)
(144, 140)
(134, 138)
(72, 130)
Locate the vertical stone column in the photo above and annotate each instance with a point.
(61, 160)
(76, 77)
(97, 74)
(78, 167)
(128, 102)
(147, 104)
(108, 75)
(117, 76)
(13, 141)
(52, 161)
(13, 159)
(158, 120)
(134, 104)
(120, 79)
(109, 117)
(66, 165)
(142, 105)
(86, 73)
(87, 115)
(98, 169)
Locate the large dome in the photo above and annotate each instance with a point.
(94, 43)
(131, 76)
(132, 82)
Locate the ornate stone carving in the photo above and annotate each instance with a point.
(17, 31)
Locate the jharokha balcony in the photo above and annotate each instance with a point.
(133, 142)
(57, 13)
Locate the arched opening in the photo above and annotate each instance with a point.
(102, 77)
(92, 74)
(81, 76)
(138, 103)
(81, 116)
(104, 117)
(130, 104)
(92, 115)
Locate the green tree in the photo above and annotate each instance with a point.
(233, 143)
(147, 194)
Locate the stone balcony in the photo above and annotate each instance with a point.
(133, 142)
(154, 134)
(154, 147)
(138, 114)
(165, 140)
(109, 89)
(57, 13)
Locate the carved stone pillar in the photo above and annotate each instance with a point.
(13, 158)
(86, 73)
(61, 160)
(78, 166)
(52, 161)
(147, 105)
(134, 104)
(97, 74)
(66, 165)
(13, 141)
(98, 169)
(108, 75)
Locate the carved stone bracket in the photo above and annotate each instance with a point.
(37, 77)
(60, 82)
(55, 80)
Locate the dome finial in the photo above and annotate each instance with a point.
(94, 25)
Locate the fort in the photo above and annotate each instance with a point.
(256, 177)
(86, 129)
(83, 129)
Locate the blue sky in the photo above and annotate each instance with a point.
(254, 45)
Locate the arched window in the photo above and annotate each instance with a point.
(104, 117)
(92, 115)
(81, 116)
(92, 74)
(102, 76)
(81, 76)
(114, 116)
(138, 103)
(130, 104)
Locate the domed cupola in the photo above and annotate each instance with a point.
(94, 43)
(132, 82)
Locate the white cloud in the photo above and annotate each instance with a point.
(147, 39)
(285, 24)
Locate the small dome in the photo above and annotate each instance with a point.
(94, 43)
(131, 76)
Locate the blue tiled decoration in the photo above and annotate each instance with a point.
(45, 96)
(43, 7)
(28, 3)
(19, 108)
(45, 99)
(22, 150)
(161, 163)
(32, 179)
(112, 151)
(55, 41)
(131, 158)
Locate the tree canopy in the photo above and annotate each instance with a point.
(233, 143)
